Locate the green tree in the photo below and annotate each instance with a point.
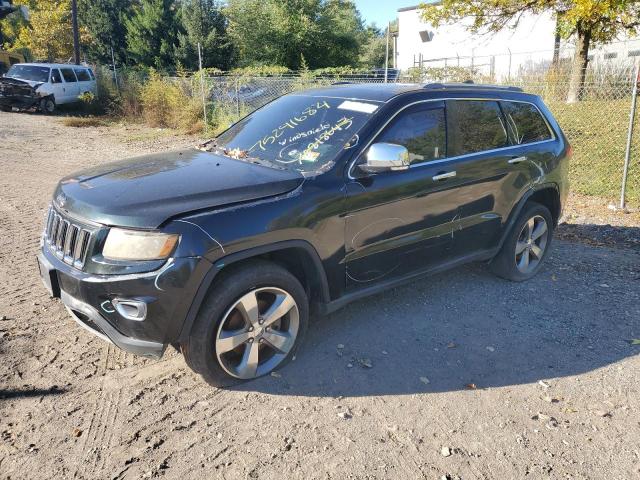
(48, 33)
(373, 50)
(325, 33)
(203, 22)
(152, 33)
(588, 21)
(11, 21)
(104, 22)
(342, 34)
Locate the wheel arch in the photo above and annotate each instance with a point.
(545, 194)
(297, 256)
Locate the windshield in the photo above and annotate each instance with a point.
(29, 72)
(298, 132)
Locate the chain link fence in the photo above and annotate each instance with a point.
(597, 126)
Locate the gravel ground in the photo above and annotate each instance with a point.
(461, 375)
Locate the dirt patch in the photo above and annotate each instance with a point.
(597, 222)
(461, 375)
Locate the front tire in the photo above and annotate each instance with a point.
(251, 324)
(47, 105)
(526, 246)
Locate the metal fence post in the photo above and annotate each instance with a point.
(115, 72)
(238, 97)
(204, 101)
(632, 118)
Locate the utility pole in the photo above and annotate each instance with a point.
(76, 39)
(386, 56)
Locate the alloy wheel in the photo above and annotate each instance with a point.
(257, 332)
(531, 244)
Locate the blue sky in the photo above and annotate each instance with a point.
(382, 11)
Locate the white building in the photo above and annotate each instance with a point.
(501, 54)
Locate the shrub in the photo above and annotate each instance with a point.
(161, 100)
(83, 122)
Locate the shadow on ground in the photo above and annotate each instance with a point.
(30, 392)
(608, 235)
(468, 327)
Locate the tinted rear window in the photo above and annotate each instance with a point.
(525, 122)
(474, 126)
(83, 75)
(68, 74)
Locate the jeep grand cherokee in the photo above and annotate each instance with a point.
(316, 199)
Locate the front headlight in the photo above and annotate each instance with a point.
(134, 245)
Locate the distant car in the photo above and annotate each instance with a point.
(51, 83)
(314, 200)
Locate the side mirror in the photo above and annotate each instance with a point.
(382, 157)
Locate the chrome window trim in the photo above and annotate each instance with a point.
(458, 157)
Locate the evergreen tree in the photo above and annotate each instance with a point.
(203, 22)
(152, 34)
(104, 22)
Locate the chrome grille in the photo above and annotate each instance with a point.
(69, 241)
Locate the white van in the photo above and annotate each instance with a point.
(60, 83)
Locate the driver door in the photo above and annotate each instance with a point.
(401, 222)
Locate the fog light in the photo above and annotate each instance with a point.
(130, 309)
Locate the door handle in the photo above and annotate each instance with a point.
(443, 176)
(513, 161)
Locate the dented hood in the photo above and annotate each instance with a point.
(144, 192)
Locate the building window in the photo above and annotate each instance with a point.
(608, 56)
(634, 53)
(426, 36)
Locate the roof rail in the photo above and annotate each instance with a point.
(341, 82)
(470, 85)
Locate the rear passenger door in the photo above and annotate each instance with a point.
(71, 90)
(478, 144)
(84, 80)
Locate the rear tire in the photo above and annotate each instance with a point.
(526, 246)
(230, 342)
(5, 108)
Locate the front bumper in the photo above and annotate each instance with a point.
(90, 319)
(167, 293)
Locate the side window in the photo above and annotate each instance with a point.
(83, 75)
(93, 77)
(68, 75)
(474, 126)
(421, 130)
(525, 122)
(55, 76)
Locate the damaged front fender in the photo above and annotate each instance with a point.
(19, 94)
